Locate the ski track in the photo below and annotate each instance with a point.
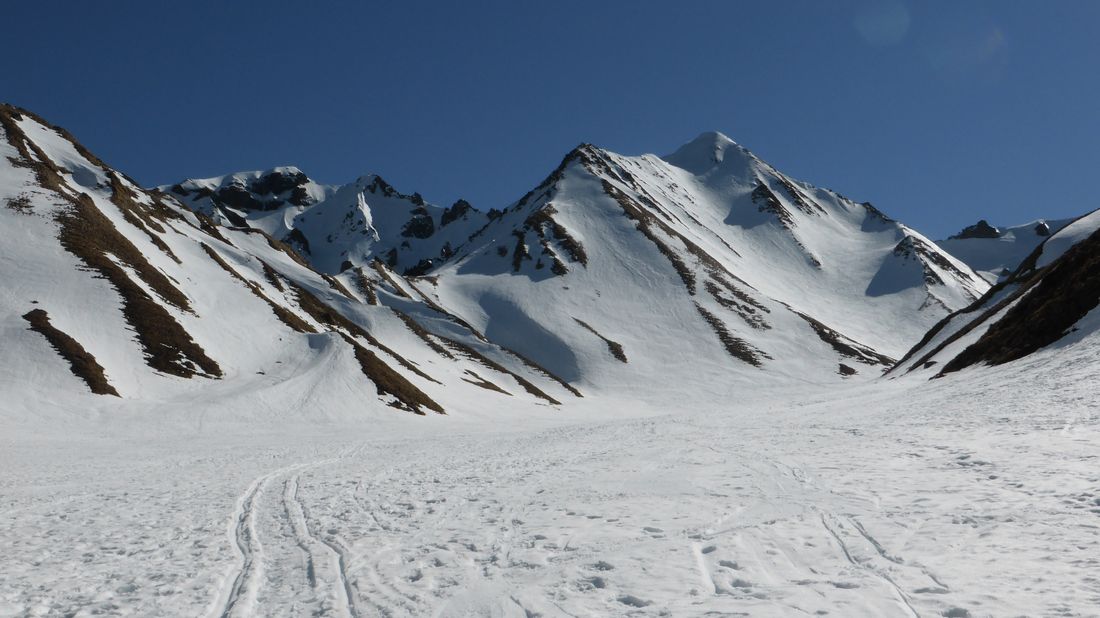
(846, 507)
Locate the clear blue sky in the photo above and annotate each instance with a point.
(938, 112)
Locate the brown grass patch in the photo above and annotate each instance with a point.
(137, 215)
(168, 347)
(543, 370)
(483, 383)
(615, 348)
(736, 347)
(272, 276)
(422, 333)
(285, 315)
(380, 268)
(339, 287)
(82, 364)
(844, 346)
(385, 378)
(742, 304)
(645, 221)
(89, 235)
(365, 286)
(207, 225)
(474, 355)
(20, 204)
(389, 382)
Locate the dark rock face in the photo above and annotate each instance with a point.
(1042, 229)
(981, 229)
(233, 218)
(1066, 291)
(876, 213)
(236, 196)
(457, 211)
(381, 186)
(276, 183)
(299, 197)
(420, 268)
(298, 241)
(261, 194)
(420, 225)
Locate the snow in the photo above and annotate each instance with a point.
(991, 257)
(1068, 236)
(972, 495)
(684, 482)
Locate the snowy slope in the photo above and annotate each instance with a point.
(1048, 301)
(903, 498)
(994, 252)
(266, 200)
(112, 289)
(616, 274)
(336, 227)
(707, 265)
(642, 364)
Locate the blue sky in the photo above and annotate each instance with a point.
(938, 112)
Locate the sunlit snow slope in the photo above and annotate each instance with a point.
(1048, 302)
(111, 289)
(701, 265)
(616, 275)
(995, 252)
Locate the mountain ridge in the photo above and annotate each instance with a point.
(707, 267)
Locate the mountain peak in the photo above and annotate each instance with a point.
(703, 153)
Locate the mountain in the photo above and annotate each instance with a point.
(995, 252)
(708, 258)
(660, 380)
(1048, 302)
(117, 290)
(705, 269)
(335, 227)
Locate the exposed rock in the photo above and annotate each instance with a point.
(420, 225)
(278, 182)
(981, 229)
(456, 211)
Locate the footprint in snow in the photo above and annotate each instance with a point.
(632, 601)
(592, 583)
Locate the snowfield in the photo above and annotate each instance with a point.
(651, 386)
(972, 495)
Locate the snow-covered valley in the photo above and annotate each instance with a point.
(653, 386)
(979, 497)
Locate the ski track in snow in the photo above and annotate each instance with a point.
(885, 501)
